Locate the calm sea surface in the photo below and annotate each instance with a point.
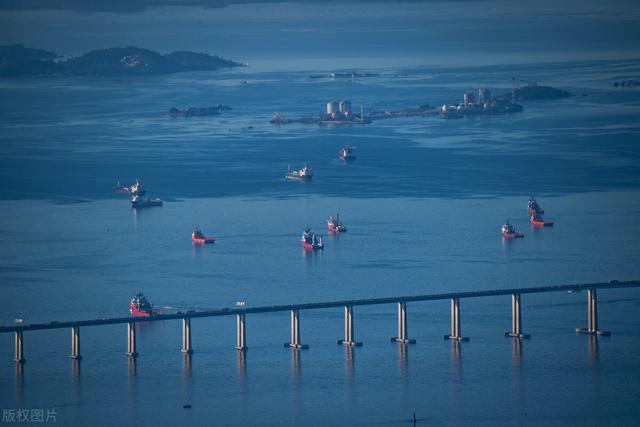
(423, 202)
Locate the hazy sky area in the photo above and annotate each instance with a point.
(304, 34)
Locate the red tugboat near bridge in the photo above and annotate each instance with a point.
(140, 307)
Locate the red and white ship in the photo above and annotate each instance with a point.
(335, 226)
(140, 307)
(538, 221)
(509, 231)
(200, 239)
(310, 241)
(533, 207)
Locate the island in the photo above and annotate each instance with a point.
(19, 61)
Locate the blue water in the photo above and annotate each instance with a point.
(423, 202)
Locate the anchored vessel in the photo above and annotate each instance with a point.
(140, 307)
(347, 154)
(538, 221)
(304, 174)
(509, 231)
(198, 238)
(533, 207)
(144, 202)
(334, 225)
(310, 241)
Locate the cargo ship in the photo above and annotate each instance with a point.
(310, 241)
(509, 231)
(200, 239)
(335, 226)
(347, 154)
(140, 307)
(304, 174)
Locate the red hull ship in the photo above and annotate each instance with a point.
(538, 221)
(310, 241)
(140, 307)
(533, 208)
(200, 239)
(509, 232)
(335, 226)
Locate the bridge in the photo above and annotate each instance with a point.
(455, 334)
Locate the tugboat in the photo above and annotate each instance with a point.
(509, 231)
(533, 207)
(304, 174)
(335, 226)
(199, 239)
(538, 221)
(310, 241)
(138, 201)
(347, 154)
(140, 307)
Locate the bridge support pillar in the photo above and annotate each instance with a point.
(186, 336)
(131, 340)
(455, 322)
(402, 325)
(592, 315)
(18, 353)
(241, 338)
(516, 319)
(75, 343)
(348, 328)
(295, 332)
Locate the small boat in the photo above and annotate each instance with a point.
(538, 221)
(198, 238)
(533, 207)
(304, 174)
(335, 226)
(347, 154)
(509, 231)
(118, 188)
(310, 241)
(138, 202)
(140, 307)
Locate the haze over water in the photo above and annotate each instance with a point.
(423, 202)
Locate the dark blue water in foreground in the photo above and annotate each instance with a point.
(424, 203)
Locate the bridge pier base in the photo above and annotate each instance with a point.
(295, 332)
(402, 325)
(131, 340)
(348, 328)
(75, 343)
(455, 322)
(241, 339)
(592, 315)
(516, 319)
(18, 353)
(186, 336)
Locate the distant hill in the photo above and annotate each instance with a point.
(19, 61)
